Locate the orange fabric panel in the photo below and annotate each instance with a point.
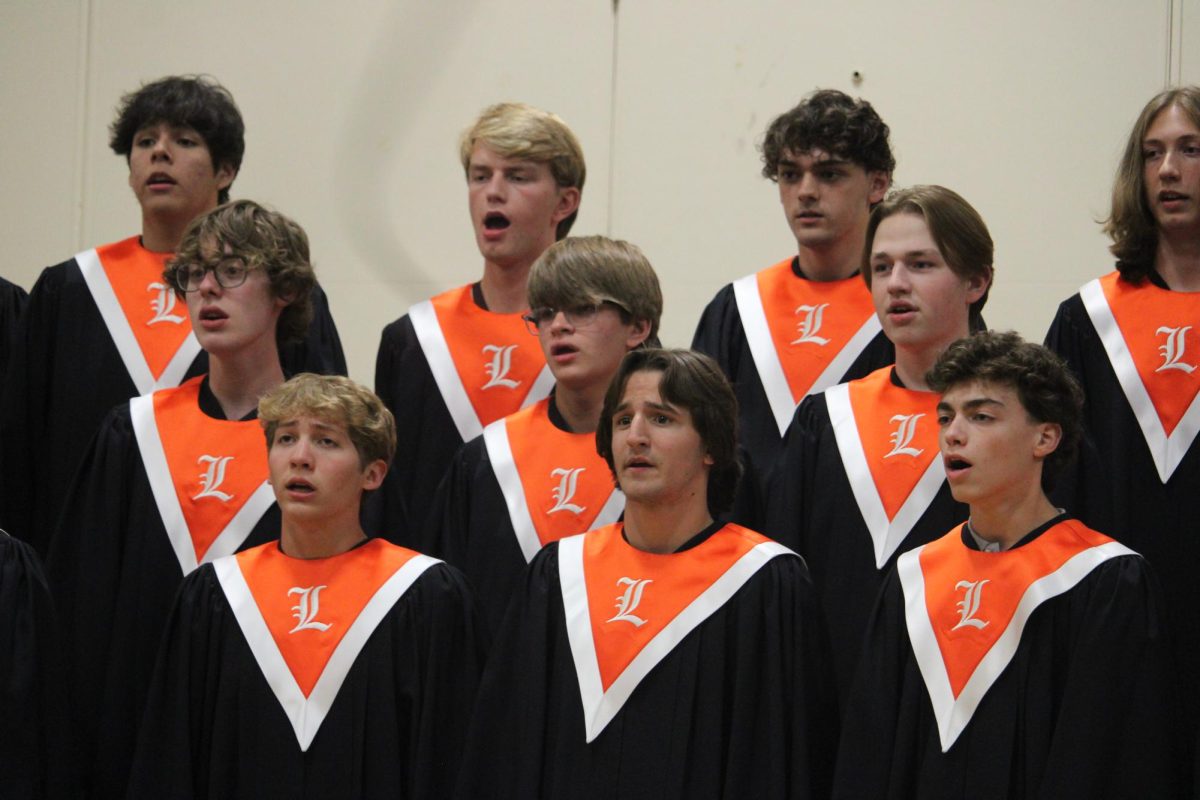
(968, 620)
(1161, 329)
(899, 433)
(216, 465)
(309, 604)
(159, 321)
(633, 595)
(551, 464)
(810, 321)
(495, 356)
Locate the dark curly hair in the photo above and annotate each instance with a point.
(186, 101)
(832, 121)
(692, 381)
(262, 238)
(1044, 384)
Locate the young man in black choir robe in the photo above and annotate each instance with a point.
(462, 360)
(36, 756)
(534, 477)
(670, 656)
(325, 664)
(1022, 654)
(1132, 338)
(806, 323)
(178, 477)
(859, 480)
(103, 326)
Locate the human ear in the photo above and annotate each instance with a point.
(1048, 437)
(373, 474)
(568, 203)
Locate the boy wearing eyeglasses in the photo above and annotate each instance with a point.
(176, 478)
(103, 326)
(461, 360)
(534, 476)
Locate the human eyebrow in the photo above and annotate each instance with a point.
(981, 402)
(663, 407)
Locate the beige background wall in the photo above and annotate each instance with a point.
(353, 113)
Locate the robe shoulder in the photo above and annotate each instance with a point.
(427, 437)
(320, 350)
(470, 527)
(12, 301)
(36, 737)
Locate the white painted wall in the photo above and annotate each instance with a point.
(353, 114)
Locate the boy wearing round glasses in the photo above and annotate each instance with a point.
(534, 476)
(103, 326)
(176, 478)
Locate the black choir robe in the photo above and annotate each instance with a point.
(12, 300)
(114, 575)
(1085, 708)
(214, 728)
(1116, 487)
(37, 759)
(471, 526)
(812, 509)
(742, 707)
(66, 374)
(427, 436)
(720, 334)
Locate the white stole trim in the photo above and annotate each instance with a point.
(307, 713)
(954, 714)
(441, 364)
(886, 535)
(162, 486)
(599, 706)
(541, 387)
(122, 333)
(445, 374)
(766, 358)
(504, 466)
(1167, 451)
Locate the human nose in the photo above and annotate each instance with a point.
(638, 429)
(495, 189)
(806, 187)
(898, 279)
(1168, 167)
(301, 454)
(208, 282)
(560, 322)
(953, 434)
(160, 151)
